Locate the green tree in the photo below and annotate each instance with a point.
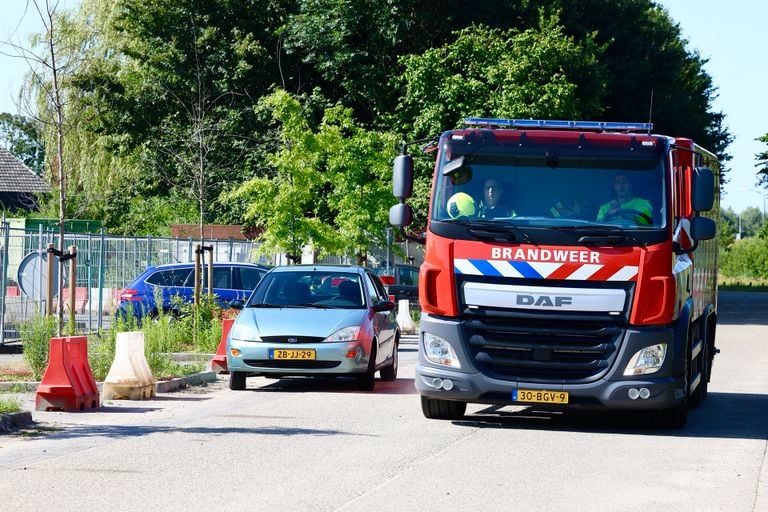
(762, 163)
(21, 136)
(329, 188)
(751, 221)
(490, 73)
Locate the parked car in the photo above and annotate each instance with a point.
(313, 320)
(401, 281)
(231, 281)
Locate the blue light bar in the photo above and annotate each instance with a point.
(568, 125)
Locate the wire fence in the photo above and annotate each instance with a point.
(106, 264)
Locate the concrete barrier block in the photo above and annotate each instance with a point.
(404, 320)
(129, 377)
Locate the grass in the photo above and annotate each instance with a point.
(9, 404)
(742, 284)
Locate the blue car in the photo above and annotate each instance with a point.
(315, 320)
(231, 281)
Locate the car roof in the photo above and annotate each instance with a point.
(319, 268)
(190, 264)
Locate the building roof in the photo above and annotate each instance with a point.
(17, 177)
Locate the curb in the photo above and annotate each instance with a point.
(168, 386)
(163, 386)
(13, 421)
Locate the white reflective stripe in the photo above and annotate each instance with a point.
(465, 267)
(584, 272)
(682, 263)
(544, 268)
(625, 274)
(504, 268)
(544, 297)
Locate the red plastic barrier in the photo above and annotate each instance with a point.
(219, 361)
(68, 383)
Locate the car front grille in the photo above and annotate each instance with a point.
(291, 364)
(293, 339)
(515, 349)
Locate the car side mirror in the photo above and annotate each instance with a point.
(237, 304)
(384, 305)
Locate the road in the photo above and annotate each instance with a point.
(323, 446)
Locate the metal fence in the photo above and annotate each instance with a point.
(106, 264)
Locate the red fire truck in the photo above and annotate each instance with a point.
(587, 279)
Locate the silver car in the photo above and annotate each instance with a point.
(315, 320)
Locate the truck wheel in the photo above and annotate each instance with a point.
(700, 393)
(237, 381)
(436, 409)
(676, 417)
(390, 372)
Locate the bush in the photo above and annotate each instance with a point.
(36, 334)
(747, 259)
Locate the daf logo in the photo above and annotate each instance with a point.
(556, 301)
(293, 340)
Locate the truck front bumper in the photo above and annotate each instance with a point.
(613, 390)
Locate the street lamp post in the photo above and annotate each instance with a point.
(762, 193)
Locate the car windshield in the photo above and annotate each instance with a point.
(570, 184)
(310, 288)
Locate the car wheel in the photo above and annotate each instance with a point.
(366, 381)
(237, 381)
(436, 409)
(389, 373)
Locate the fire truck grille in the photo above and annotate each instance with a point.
(570, 352)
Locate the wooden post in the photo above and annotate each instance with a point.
(72, 285)
(197, 275)
(210, 274)
(49, 293)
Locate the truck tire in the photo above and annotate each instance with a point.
(436, 409)
(676, 417)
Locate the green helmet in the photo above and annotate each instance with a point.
(461, 204)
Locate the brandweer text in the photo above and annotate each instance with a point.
(560, 255)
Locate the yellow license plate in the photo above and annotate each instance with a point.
(289, 353)
(540, 396)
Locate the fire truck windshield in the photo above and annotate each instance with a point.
(553, 185)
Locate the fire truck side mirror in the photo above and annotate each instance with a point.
(703, 190)
(703, 228)
(402, 177)
(400, 215)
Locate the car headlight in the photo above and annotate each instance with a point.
(245, 333)
(439, 351)
(345, 334)
(647, 360)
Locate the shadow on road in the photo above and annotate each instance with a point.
(337, 385)
(723, 415)
(742, 308)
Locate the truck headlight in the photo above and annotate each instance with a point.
(439, 351)
(647, 360)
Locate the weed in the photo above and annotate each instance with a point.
(36, 334)
(9, 405)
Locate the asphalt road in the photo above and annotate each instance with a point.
(318, 445)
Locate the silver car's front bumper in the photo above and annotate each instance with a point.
(330, 358)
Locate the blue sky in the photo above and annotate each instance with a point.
(728, 34)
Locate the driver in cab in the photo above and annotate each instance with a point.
(626, 206)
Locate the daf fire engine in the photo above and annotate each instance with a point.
(574, 297)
